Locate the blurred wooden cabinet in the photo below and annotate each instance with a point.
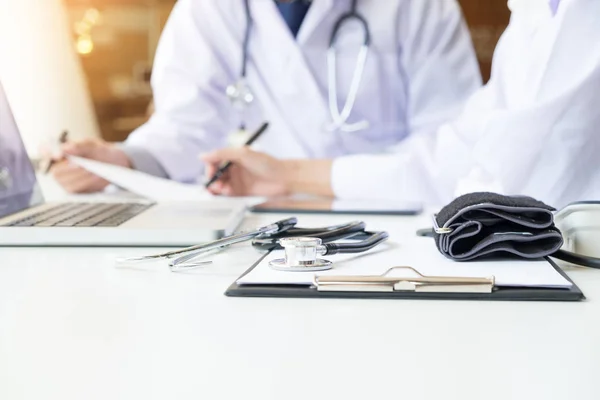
(116, 41)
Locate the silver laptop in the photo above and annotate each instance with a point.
(26, 220)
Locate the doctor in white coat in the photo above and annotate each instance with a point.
(534, 129)
(419, 71)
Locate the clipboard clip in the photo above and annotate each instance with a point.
(416, 283)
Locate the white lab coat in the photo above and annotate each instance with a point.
(533, 130)
(420, 71)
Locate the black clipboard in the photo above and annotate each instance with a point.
(498, 294)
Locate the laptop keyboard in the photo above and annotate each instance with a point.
(83, 215)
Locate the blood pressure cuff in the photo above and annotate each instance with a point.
(476, 225)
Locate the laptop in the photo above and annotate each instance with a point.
(27, 220)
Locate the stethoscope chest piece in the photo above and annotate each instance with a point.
(240, 94)
(301, 255)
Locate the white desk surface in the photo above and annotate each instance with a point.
(72, 326)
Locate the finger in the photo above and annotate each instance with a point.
(82, 148)
(49, 156)
(223, 188)
(62, 169)
(210, 170)
(216, 192)
(88, 184)
(85, 183)
(228, 191)
(211, 190)
(226, 185)
(236, 185)
(75, 179)
(45, 152)
(217, 186)
(228, 154)
(69, 177)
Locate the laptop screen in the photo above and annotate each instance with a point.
(18, 185)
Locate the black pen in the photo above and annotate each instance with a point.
(227, 165)
(64, 137)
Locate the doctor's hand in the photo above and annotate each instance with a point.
(75, 179)
(252, 173)
(258, 174)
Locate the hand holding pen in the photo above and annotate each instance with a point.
(225, 167)
(64, 138)
(75, 179)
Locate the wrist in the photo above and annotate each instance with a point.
(290, 180)
(308, 177)
(140, 159)
(119, 155)
(123, 159)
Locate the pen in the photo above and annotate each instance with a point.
(227, 165)
(63, 139)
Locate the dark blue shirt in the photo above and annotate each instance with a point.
(293, 13)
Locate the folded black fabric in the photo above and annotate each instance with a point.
(490, 224)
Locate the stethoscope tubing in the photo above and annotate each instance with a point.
(578, 259)
(327, 235)
(372, 241)
(339, 119)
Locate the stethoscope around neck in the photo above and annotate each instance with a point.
(241, 95)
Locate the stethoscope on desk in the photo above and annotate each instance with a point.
(302, 246)
(241, 95)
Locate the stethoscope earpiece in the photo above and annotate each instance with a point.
(240, 94)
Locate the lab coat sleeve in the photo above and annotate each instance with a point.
(142, 160)
(534, 151)
(417, 171)
(439, 61)
(189, 78)
(477, 150)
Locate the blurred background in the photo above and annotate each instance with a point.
(98, 54)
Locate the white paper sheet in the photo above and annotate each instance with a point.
(143, 184)
(422, 255)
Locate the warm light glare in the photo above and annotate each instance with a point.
(82, 27)
(92, 15)
(84, 44)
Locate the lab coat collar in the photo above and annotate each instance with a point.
(284, 60)
(319, 9)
